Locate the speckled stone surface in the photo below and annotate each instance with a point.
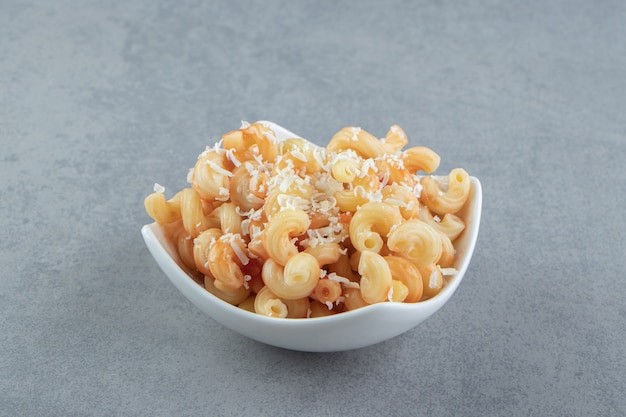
(100, 100)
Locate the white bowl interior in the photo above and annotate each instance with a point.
(344, 331)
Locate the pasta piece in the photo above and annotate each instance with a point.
(395, 139)
(226, 256)
(402, 197)
(268, 304)
(248, 304)
(230, 295)
(210, 176)
(325, 253)
(447, 252)
(327, 291)
(417, 241)
(406, 272)
(298, 308)
(375, 277)
(353, 299)
(451, 200)
(201, 247)
(420, 158)
(370, 222)
(451, 225)
(398, 291)
(194, 220)
(345, 168)
(162, 211)
(251, 141)
(279, 231)
(433, 281)
(296, 280)
(357, 139)
(317, 309)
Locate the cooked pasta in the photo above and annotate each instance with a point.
(290, 229)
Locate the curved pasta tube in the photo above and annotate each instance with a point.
(393, 168)
(248, 304)
(210, 175)
(326, 291)
(184, 246)
(398, 292)
(303, 154)
(451, 225)
(201, 246)
(342, 268)
(421, 158)
(325, 253)
(352, 299)
(349, 200)
(296, 195)
(416, 241)
(229, 219)
(395, 139)
(363, 143)
(406, 272)
(191, 209)
(447, 252)
(232, 296)
(375, 277)
(297, 309)
(161, 210)
(279, 230)
(247, 190)
(370, 222)
(296, 280)
(451, 200)
(268, 304)
(344, 169)
(402, 197)
(250, 141)
(224, 263)
(317, 309)
(433, 281)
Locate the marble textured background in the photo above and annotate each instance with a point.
(99, 100)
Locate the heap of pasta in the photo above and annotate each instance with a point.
(291, 229)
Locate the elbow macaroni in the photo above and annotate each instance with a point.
(294, 230)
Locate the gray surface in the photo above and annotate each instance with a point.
(98, 102)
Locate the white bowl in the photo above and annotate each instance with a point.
(344, 331)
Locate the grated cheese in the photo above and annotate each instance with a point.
(158, 188)
(448, 271)
(232, 239)
(215, 167)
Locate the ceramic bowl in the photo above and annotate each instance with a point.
(344, 331)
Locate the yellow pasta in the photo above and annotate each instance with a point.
(416, 241)
(296, 280)
(450, 225)
(290, 229)
(433, 281)
(406, 272)
(279, 231)
(327, 292)
(268, 304)
(161, 210)
(233, 296)
(375, 277)
(201, 246)
(224, 262)
(370, 222)
(450, 200)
